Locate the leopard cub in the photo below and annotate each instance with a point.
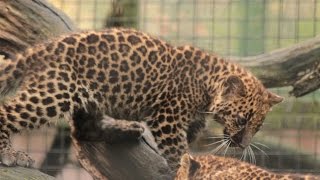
(129, 76)
(210, 167)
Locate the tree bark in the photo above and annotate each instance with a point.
(297, 66)
(24, 23)
(19, 173)
(130, 160)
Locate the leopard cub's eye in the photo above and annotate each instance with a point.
(241, 121)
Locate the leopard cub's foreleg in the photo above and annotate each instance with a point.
(117, 130)
(11, 157)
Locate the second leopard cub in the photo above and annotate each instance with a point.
(210, 167)
(129, 75)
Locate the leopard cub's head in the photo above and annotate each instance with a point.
(240, 105)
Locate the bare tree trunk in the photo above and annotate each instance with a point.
(129, 160)
(24, 23)
(297, 66)
(18, 173)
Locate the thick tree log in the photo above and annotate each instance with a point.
(297, 66)
(19, 173)
(130, 160)
(24, 23)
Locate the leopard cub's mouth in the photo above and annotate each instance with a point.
(236, 145)
(235, 140)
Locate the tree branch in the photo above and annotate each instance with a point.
(24, 23)
(19, 173)
(296, 66)
(129, 160)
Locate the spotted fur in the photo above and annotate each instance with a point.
(127, 74)
(210, 167)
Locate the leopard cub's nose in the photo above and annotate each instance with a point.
(242, 146)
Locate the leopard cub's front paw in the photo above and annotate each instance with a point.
(16, 158)
(119, 130)
(135, 129)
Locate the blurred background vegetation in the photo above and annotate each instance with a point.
(230, 28)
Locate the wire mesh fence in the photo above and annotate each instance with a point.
(229, 28)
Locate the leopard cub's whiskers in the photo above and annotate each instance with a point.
(223, 142)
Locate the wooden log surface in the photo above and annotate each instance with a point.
(130, 160)
(18, 173)
(297, 66)
(24, 23)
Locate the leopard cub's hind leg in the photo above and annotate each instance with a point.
(117, 130)
(11, 157)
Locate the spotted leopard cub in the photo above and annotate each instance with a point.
(210, 167)
(129, 76)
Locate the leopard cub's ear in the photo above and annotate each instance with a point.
(183, 171)
(274, 99)
(234, 86)
(194, 166)
(188, 167)
(185, 161)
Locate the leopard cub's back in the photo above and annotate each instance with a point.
(118, 68)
